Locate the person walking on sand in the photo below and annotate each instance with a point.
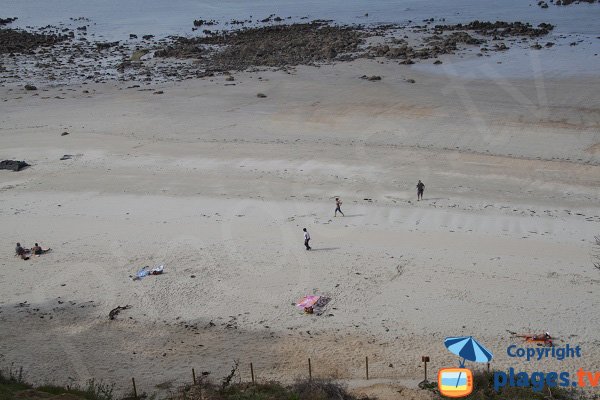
(420, 190)
(306, 239)
(338, 207)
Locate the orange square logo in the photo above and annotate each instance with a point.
(455, 382)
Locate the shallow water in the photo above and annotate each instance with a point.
(523, 62)
(116, 19)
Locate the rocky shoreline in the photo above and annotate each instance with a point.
(17, 41)
(544, 4)
(270, 46)
(61, 55)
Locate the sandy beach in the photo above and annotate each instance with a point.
(216, 184)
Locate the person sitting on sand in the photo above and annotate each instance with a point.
(544, 336)
(21, 252)
(37, 250)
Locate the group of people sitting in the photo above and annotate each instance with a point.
(24, 253)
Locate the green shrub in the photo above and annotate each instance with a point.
(301, 390)
(12, 382)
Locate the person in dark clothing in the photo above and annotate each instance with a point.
(338, 207)
(21, 252)
(420, 190)
(37, 250)
(306, 239)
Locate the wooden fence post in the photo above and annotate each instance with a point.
(309, 370)
(252, 372)
(425, 360)
(367, 366)
(194, 375)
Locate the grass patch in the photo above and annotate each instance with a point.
(91, 391)
(301, 390)
(12, 384)
(138, 54)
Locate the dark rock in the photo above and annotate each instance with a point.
(396, 52)
(19, 41)
(13, 165)
(201, 22)
(30, 87)
(64, 133)
(132, 36)
(437, 62)
(569, 2)
(261, 95)
(6, 21)
(106, 45)
(123, 65)
(500, 28)
(147, 37)
(182, 48)
(115, 311)
(374, 78)
(271, 46)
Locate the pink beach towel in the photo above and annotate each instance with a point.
(307, 301)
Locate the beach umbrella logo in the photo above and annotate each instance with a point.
(458, 382)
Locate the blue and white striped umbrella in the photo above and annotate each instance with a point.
(468, 349)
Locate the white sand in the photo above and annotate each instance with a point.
(214, 182)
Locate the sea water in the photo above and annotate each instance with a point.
(116, 19)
